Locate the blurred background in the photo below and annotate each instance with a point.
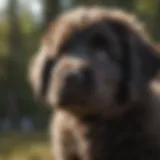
(23, 123)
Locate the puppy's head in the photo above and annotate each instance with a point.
(93, 58)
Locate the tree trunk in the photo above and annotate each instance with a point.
(51, 9)
(156, 22)
(15, 44)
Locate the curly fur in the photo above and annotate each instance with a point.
(120, 117)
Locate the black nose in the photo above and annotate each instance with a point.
(73, 79)
(78, 80)
(76, 86)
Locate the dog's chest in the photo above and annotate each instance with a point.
(106, 140)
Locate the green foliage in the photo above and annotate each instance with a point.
(4, 28)
(146, 6)
(27, 22)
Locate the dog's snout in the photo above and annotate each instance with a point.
(73, 79)
(78, 79)
(76, 86)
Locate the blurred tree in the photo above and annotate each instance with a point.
(88, 2)
(126, 4)
(51, 8)
(15, 48)
(156, 21)
(146, 10)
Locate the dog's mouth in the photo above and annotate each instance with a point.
(71, 99)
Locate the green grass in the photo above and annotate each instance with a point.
(16, 146)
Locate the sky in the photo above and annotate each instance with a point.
(34, 5)
(3, 4)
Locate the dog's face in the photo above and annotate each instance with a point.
(102, 64)
(84, 73)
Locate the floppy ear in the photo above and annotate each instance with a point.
(145, 62)
(39, 71)
(150, 58)
(140, 63)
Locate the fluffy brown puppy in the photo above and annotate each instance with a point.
(96, 69)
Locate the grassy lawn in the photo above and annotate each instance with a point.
(16, 146)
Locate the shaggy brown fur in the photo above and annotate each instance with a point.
(96, 67)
